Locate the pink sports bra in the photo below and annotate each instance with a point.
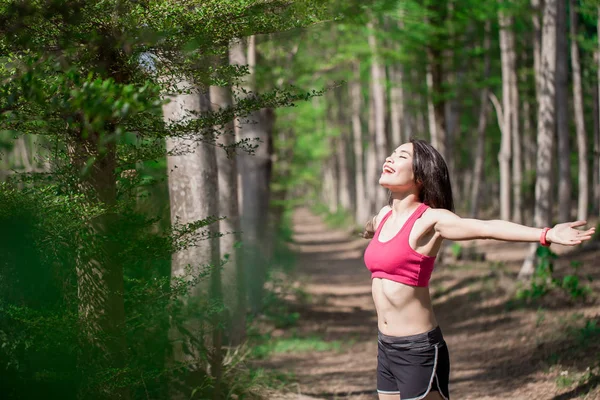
(395, 259)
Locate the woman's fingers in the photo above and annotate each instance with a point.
(575, 224)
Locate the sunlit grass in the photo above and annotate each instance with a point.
(295, 345)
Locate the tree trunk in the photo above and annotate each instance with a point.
(342, 152)
(193, 182)
(397, 106)
(562, 115)
(517, 159)
(234, 290)
(596, 153)
(371, 184)
(536, 6)
(583, 192)
(379, 105)
(361, 208)
(254, 171)
(100, 285)
(546, 126)
(422, 106)
(505, 145)
(435, 104)
(481, 127)
(397, 112)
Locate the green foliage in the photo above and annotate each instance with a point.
(544, 280)
(456, 250)
(294, 345)
(92, 77)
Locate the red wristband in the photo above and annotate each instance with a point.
(543, 241)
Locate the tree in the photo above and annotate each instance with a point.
(507, 56)
(481, 126)
(254, 173)
(562, 114)
(91, 74)
(546, 125)
(233, 276)
(355, 96)
(583, 187)
(378, 77)
(193, 180)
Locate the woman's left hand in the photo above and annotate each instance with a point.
(567, 235)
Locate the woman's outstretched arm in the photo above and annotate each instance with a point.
(450, 226)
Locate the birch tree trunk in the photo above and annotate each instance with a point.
(505, 144)
(372, 182)
(397, 106)
(379, 106)
(517, 158)
(193, 182)
(536, 6)
(254, 171)
(342, 153)
(583, 192)
(397, 111)
(481, 126)
(234, 290)
(422, 106)
(546, 126)
(562, 115)
(435, 105)
(361, 212)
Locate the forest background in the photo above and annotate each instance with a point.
(152, 153)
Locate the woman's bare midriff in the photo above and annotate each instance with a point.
(402, 310)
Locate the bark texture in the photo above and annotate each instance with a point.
(504, 156)
(361, 207)
(254, 171)
(233, 277)
(481, 128)
(562, 115)
(546, 120)
(582, 151)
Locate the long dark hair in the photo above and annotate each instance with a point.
(431, 175)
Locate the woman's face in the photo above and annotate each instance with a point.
(397, 170)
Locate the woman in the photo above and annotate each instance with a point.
(413, 361)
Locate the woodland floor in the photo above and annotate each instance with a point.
(497, 351)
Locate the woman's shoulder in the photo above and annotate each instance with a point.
(433, 215)
(381, 214)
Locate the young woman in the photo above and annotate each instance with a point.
(413, 360)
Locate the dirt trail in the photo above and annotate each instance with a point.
(495, 353)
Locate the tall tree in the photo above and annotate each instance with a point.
(515, 132)
(583, 192)
(435, 104)
(546, 120)
(597, 133)
(193, 181)
(482, 125)
(355, 94)
(378, 77)
(504, 156)
(342, 151)
(234, 290)
(562, 114)
(254, 170)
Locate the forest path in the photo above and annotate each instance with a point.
(493, 349)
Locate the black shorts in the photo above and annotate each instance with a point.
(413, 365)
